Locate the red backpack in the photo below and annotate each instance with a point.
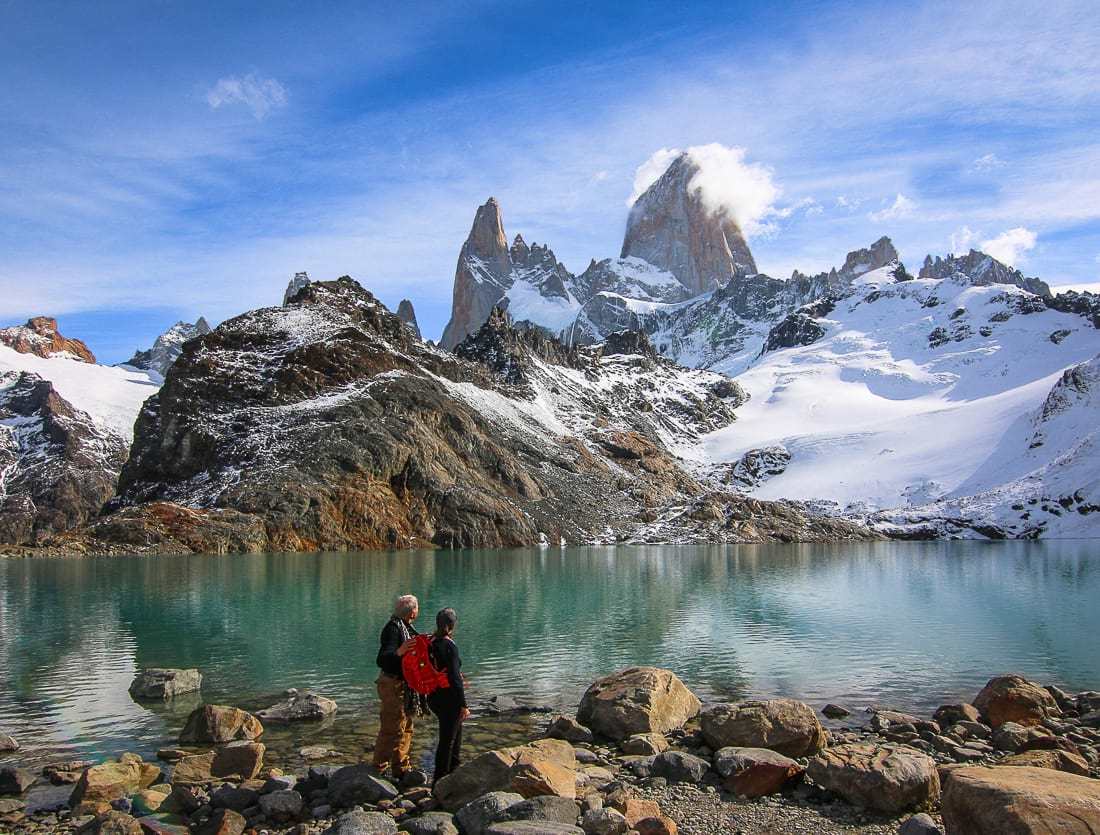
(420, 671)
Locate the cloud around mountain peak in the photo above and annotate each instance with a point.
(726, 182)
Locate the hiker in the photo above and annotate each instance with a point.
(447, 702)
(398, 702)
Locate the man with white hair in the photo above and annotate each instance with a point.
(396, 729)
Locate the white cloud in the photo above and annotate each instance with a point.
(987, 162)
(962, 240)
(260, 95)
(843, 201)
(901, 207)
(650, 171)
(1010, 245)
(725, 182)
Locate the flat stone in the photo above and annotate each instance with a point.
(164, 683)
(1012, 799)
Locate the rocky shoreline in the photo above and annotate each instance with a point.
(642, 755)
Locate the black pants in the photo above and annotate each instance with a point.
(448, 710)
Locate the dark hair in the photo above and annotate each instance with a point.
(445, 621)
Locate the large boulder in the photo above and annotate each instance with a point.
(359, 822)
(542, 808)
(637, 700)
(298, 707)
(496, 770)
(281, 805)
(475, 816)
(784, 725)
(1056, 759)
(1010, 800)
(165, 683)
(356, 784)
(1013, 698)
(238, 760)
(217, 723)
(113, 780)
(888, 779)
(754, 772)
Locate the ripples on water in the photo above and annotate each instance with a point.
(902, 624)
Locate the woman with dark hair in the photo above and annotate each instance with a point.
(448, 703)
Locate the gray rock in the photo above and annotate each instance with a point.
(604, 822)
(355, 784)
(298, 707)
(921, 824)
(569, 729)
(533, 828)
(430, 823)
(644, 744)
(475, 816)
(835, 711)
(678, 767)
(541, 808)
(363, 823)
(295, 285)
(282, 804)
(14, 780)
(1010, 737)
(233, 797)
(8, 743)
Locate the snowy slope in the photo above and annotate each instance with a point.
(111, 395)
(918, 391)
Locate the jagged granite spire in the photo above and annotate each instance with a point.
(407, 315)
(981, 269)
(671, 227)
(483, 274)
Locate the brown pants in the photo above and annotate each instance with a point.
(395, 732)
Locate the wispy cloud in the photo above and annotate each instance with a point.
(962, 239)
(901, 207)
(987, 162)
(1010, 246)
(258, 94)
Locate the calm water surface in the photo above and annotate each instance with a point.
(908, 625)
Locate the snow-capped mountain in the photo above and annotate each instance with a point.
(327, 424)
(916, 393)
(168, 346)
(65, 429)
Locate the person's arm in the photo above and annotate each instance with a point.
(391, 642)
(454, 672)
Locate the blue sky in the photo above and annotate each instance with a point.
(162, 160)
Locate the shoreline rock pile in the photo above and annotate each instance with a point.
(643, 756)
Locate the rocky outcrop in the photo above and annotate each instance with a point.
(295, 286)
(1012, 698)
(797, 329)
(672, 227)
(163, 683)
(1086, 305)
(41, 338)
(407, 315)
(787, 726)
(889, 779)
(57, 465)
(168, 346)
(637, 700)
(978, 269)
(1030, 801)
(482, 277)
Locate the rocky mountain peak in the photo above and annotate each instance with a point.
(486, 239)
(980, 270)
(407, 315)
(519, 252)
(877, 255)
(295, 284)
(671, 227)
(168, 346)
(41, 338)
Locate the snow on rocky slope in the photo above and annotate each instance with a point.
(167, 347)
(917, 394)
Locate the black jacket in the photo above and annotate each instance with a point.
(394, 634)
(445, 656)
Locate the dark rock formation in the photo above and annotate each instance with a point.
(1086, 305)
(57, 467)
(41, 338)
(407, 315)
(168, 346)
(980, 270)
(671, 227)
(797, 329)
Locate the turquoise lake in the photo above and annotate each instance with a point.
(905, 625)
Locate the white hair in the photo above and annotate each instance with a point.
(405, 605)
